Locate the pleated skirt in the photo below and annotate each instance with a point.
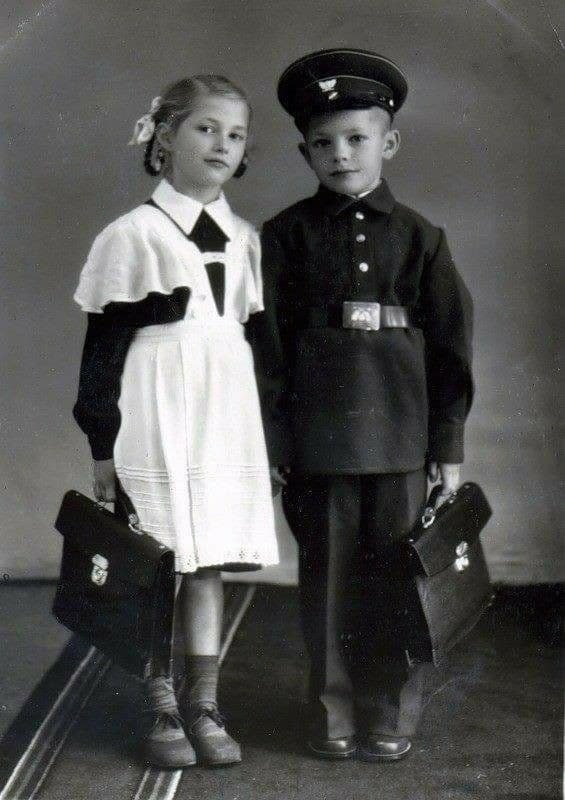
(191, 452)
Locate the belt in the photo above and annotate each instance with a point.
(360, 315)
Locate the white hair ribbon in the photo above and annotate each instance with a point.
(145, 125)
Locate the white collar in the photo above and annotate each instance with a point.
(364, 194)
(185, 211)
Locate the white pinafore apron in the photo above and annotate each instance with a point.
(190, 452)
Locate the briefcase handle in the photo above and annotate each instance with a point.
(125, 509)
(429, 514)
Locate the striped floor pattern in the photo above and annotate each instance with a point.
(33, 748)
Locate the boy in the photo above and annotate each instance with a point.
(373, 325)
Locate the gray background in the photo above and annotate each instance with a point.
(479, 156)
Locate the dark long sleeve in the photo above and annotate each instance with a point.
(448, 326)
(96, 410)
(108, 338)
(266, 334)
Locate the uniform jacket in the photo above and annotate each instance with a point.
(350, 401)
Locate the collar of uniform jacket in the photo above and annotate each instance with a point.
(380, 199)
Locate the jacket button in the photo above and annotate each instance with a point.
(360, 237)
(363, 266)
(359, 215)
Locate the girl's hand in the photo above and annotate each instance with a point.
(277, 480)
(104, 487)
(449, 476)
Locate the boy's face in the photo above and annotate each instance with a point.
(346, 149)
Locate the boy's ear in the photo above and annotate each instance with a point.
(391, 144)
(303, 147)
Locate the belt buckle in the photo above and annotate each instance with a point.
(362, 316)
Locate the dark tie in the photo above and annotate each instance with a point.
(208, 238)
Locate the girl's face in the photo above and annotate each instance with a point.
(208, 146)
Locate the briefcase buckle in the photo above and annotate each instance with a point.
(362, 316)
(428, 517)
(462, 561)
(99, 572)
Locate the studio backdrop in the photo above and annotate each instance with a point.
(479, 156)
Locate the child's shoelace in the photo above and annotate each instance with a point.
(210, 712)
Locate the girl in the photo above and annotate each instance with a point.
(167, 393)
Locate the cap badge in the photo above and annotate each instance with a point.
(328, 87)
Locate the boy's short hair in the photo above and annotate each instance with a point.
(303, 120)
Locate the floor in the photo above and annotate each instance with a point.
(492, 727)
(30, 642)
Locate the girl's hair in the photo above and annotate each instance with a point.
(177, 102)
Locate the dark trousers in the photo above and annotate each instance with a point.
(354, 590)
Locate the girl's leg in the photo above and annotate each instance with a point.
(201, 599)
(201, 604)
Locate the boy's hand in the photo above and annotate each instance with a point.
(277, 479)
(104, 486)
(449, 477)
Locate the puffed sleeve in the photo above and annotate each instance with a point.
(447, 313)
(127, 282)
(129, 261)
(112, 268)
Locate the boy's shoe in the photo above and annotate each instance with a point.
(344, 747)
(213, 745)
(166, 745)
(378, 747)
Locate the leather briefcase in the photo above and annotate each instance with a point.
(451, 578)
(116, 586)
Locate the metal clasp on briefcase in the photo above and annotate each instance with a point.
(429, 515)
(363, 316)
(99, 572)
(462, 561)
